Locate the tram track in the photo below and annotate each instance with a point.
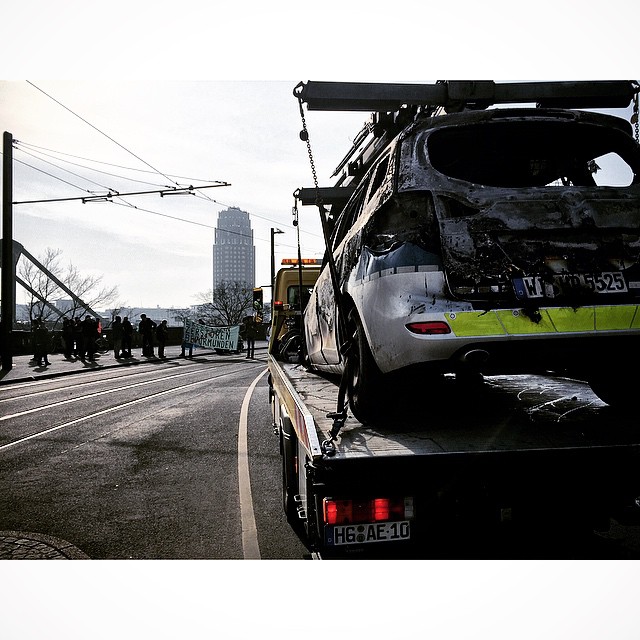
(55, 385)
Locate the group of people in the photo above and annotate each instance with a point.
(79, 338)
(122, 332)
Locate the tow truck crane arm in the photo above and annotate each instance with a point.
(454, 94)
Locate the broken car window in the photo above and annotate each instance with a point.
(532, 154)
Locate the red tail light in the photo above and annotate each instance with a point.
(375, 510)
(429, 328)
(278, 304)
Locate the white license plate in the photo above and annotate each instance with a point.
(338, 535)
(536, 287)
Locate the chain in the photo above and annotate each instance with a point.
(304, 136)
(340, 415)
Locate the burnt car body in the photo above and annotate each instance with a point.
(482, 242)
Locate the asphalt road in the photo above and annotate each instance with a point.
(177, 460)
(146, 462)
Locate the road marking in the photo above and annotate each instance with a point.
(110, 410)
(250, 547)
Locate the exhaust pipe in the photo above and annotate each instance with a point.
(475, 357)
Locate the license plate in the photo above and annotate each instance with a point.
(338, 535)
(562, 283)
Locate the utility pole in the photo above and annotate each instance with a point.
(8, 267)
(273, 260)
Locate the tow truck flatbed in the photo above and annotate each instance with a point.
(506, 414)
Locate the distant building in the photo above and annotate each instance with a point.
(234, 256)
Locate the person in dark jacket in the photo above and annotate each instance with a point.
(249, 334)
(90, 335)
(116, 334)
(127, 337)
(78, 336)
(146, 328)
(162, 333)
(67, 337)
(41, 343)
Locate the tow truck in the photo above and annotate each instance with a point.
(527, 465)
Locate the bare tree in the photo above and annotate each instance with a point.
(181, 315)
(225, 305)
(43, 290)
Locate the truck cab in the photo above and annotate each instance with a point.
(291, 293)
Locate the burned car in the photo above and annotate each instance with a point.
(488, 242)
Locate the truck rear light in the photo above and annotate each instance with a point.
(337, 511)
(278, 304)
(429, 328)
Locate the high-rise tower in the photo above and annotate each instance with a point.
(234, 256)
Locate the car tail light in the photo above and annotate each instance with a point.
(346, 511)
(278, 304)
(429, 328)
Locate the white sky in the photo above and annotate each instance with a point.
(203, 90)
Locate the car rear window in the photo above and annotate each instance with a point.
(533, 154)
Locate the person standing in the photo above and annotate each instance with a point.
(116, 334)
(67, 337)
(250, 332)
(146, 328)
(162, 333)
(90, 335)
(41, 343)
(127, 337)
(78, 335)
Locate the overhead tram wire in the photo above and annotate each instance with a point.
(102, 132)
(88, 168)
(77, 175)
(131, 153)
(20, 143)
(115, 194)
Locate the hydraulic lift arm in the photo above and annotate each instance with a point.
(456, 94)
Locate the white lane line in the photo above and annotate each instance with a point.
(250, 548)
(105, 411)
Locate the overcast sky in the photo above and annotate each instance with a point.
(203, 90)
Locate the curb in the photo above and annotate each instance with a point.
(22, 545)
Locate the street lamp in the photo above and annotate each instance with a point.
(273, 258)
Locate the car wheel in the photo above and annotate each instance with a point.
(363, 376)
(617, 391)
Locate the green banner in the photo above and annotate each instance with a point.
(203, 335)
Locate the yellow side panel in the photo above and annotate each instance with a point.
(474, 323)
(567, 319)
(614, 318)
(516, 322)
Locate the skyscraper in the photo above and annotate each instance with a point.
(234, 256)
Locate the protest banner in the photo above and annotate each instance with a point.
(210, 337)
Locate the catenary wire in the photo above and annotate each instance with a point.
(84, 166)
(101, 132)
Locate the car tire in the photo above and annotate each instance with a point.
(363, 376)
